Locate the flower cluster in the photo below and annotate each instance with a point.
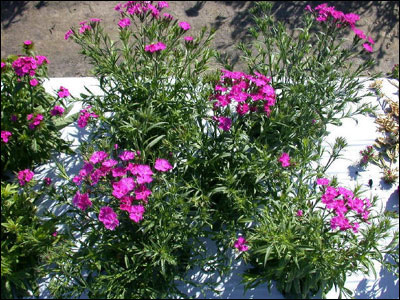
(84, 117)
(5, 135)
(343, 203)
(367, 156)
(127, 178)
(240, 244)
(155, 47)
(25, 176)
(36, 120)
(340, 19)
(141, 7)
(57, 111)
(63, 92)
(246, 90)
(27, 65)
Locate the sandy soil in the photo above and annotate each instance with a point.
(45, 23)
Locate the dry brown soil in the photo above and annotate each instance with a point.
(45, 23)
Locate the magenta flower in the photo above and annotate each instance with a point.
(142, 193)
(162, 165)
(95, 20)
(240, 244)
(47, 180)
(28, 42)
(340, 221)
(84, 117)
(40, 59)
(184, 25)
(68, 34)
(136, 213)
(155, 47)
(5, 135)
(57, 111)
(122, 187)
(242, 108)
(84, 27)
(25, 66)
(36, 121)
(162, 4)
(55, 233)
(299, 213)
(98, 156)
(127, 155)
(34, 82)
(109, 163)
(82, 201)
(124, 23)
(168, 16)
(323, 181)
(25, 176)
(108, 217)
(285, 159)
(188, 38)
(359, 33)
(224, 123)
(118, 172)
(63, 92)
(368, 47)
(3, 65)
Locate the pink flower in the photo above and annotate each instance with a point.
(340, 221)
(68, 34)
(162, 165)
(63, 92)
(308, 7)
(98, 156)
(224, 123)
(3, 65)
(299, 213)
(47, 180)
(359, 33)
(285, 159)
(25, 176)
(124, 23)
(168, 16)
(82, 201)
(109, 163)
(55, 233)
(155, 47)
(351, 19)
(242, 108)
(355, 227)
(84, 117)
(28, 42)
(84, 28)
(142, 193)
(5, 135)
(77, 179)
(368, 47)
(108, 217)
(36, 121)
(188, 38)
(95, 20)
(127, 155)
(184, 25)
(323, 181)
(40, 59)
(118, 7)
(162, 4)
(57, 111)
(118, 172)
(240, 244)
(122, 187)
(34, 82)
(136, 213)
(25, 66)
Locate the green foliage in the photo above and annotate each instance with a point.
(24, 239)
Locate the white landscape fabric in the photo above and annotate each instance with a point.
(359, 135)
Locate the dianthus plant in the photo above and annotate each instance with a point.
(31, 119)
(150, 77)
(132, 228)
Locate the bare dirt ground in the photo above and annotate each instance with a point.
(45, 23)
